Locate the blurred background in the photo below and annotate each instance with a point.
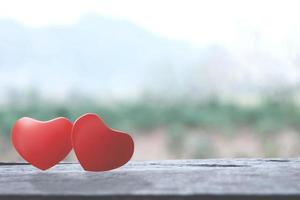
(187, 78)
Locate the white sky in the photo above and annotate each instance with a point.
(262, 35)
(194, 21)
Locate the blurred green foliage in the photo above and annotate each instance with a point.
(148, 114)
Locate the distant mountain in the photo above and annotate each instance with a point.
(97, 55)
(106, 57)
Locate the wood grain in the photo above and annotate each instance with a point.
(172, 179)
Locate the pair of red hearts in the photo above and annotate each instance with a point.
(97, 147)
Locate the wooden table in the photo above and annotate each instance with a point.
(170, 179)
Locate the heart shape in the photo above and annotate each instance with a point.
(43, 144)
(99, 148)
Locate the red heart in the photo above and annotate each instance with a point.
(43, 144)
(99, 148)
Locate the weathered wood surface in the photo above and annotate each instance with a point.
(181, 179)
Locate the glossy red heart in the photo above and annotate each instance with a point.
(99, 148)
(43, 144)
